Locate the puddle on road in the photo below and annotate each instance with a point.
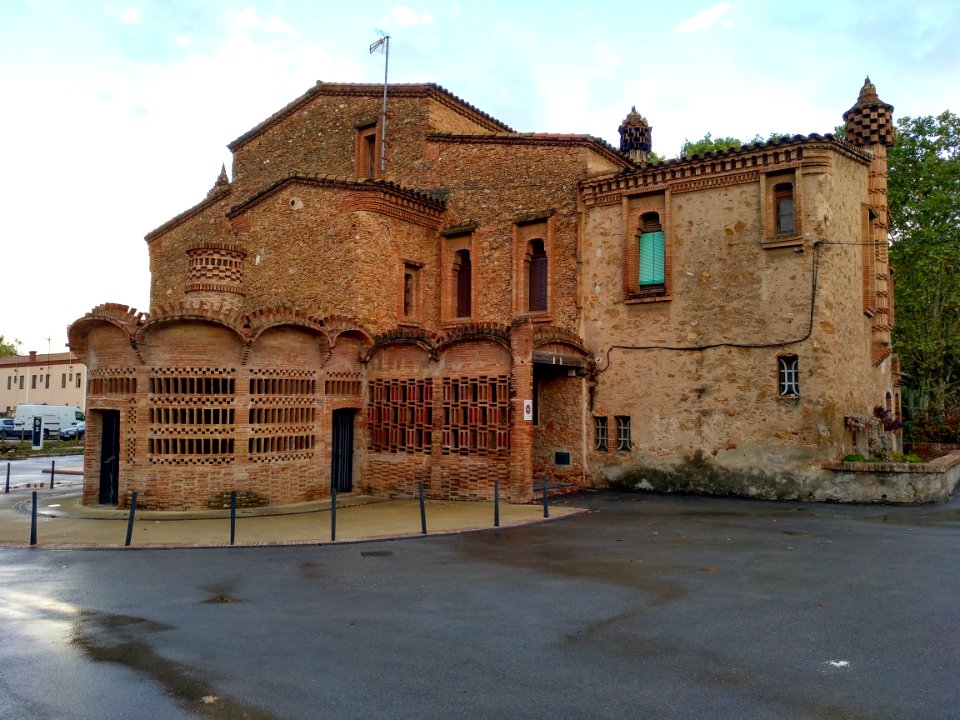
(124, 640)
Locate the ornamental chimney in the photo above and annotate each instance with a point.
(216, 274)
(635, 140)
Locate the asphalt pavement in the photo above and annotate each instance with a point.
(643, 606)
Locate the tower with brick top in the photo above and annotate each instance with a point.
(869, 125)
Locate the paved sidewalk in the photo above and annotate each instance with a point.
(62, 521)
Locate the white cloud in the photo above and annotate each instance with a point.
(275, 25)
(405, 16)
(705, 19)
(130, 15)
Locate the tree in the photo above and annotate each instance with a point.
(924, 200)
(708, 144)
(7, 348)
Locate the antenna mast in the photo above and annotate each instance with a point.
(383, 45)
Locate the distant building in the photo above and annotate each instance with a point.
(41, 378)
(496, 307)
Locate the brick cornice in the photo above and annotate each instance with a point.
(717, 169)
(589, 142)
(378, 196)
(414, 90)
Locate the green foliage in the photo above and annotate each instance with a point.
(7, 349)
(934, 426)
(924, 198)
(710, 144)
(855, 457)
(882, 457)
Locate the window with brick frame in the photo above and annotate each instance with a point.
(368, 146)
(651, 253)
(788, 376)
(463, 283)
(410, 293)
(646, 253)
(868, 259)
(623, 433)
(536, 276)
(458, 253)
(600, 434)
(780, 209)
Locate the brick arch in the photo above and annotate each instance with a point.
(124, 318)
(420, 338)
(475, 331)
(183, 312)
(551, 335)
(337, 325)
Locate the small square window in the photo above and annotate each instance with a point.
(600, 433)
(789, 375)
(623, 433)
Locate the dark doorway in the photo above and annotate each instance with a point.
(342, 460)
(109, 456)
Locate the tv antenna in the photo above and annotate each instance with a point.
(383, 45)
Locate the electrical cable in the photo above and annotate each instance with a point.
(815, 265)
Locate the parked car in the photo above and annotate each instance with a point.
(6, 428)
(74, 431)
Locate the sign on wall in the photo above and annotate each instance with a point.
(528, 409)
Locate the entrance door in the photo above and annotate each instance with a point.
(342, 445)
(109, 456)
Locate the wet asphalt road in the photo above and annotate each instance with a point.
(652, 606)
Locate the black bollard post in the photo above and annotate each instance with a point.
(496, 502)
(546, 508)
(133, 511)
(423, 511)
(233, 515)
(53, 468)
(333, 512)
(33, 520)
(7, 490)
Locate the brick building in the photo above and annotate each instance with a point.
(482, 306)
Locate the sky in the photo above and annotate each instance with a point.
(116, 113)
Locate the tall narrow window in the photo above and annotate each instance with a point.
(33, 382)
(78, 379)
(21, 382)
(462, 273)
(600, 433)
(368, 164)
(783, 202)
(789, 375)
(537, 276)
(623, 433)
(63, 380)
(651, 251)
(408, 293)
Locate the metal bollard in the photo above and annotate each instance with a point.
(7, 489)
(233, 515)
(423, 511)
(496, 502)
(546, 508)
(333, 512)
(133, 511)
(33, 520)
(53, 469)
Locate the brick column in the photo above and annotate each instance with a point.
(521, 431)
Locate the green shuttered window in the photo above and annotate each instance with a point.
(651, 258)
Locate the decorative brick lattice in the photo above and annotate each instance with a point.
(191, 416)
(112, 382)
(342, 384)
(400, 415)
(130, 438)
(282, 415)
(476, 415)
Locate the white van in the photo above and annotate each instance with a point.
(55, 418)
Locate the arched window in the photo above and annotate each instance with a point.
(651, 251)
(462, 272)
(537, 276)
